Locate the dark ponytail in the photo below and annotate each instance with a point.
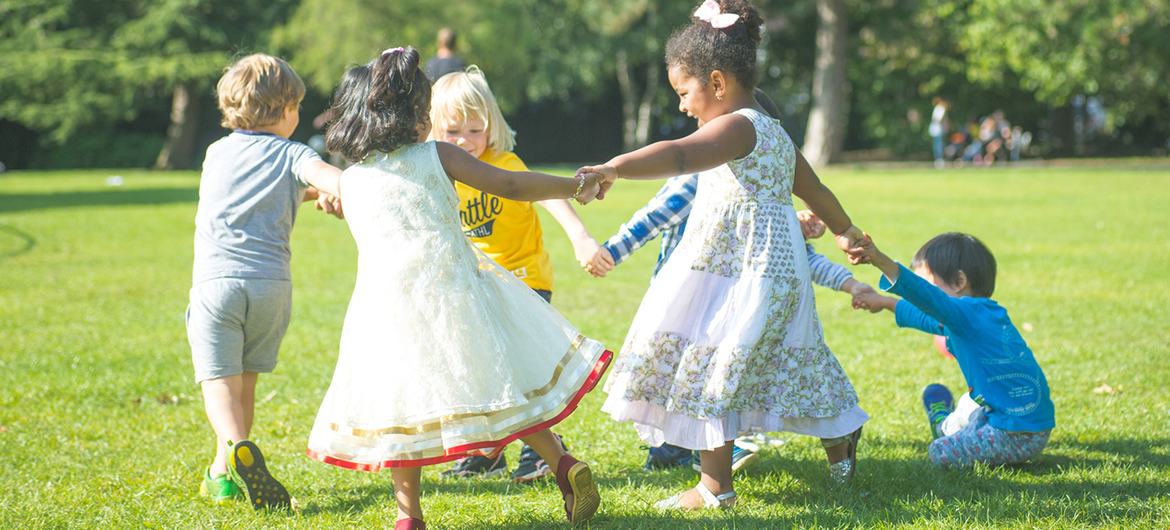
(380, 106)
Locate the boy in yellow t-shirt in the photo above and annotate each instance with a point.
(464, 112)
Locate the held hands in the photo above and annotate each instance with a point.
(811, 226)
(608, 174)
(330, 205)
(856, 244)
(584, 248)
(600, 264)
(591, 188)
(869, 301)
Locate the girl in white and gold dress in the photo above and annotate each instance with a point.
(444, 354)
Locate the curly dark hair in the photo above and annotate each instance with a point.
(380, 106)
(698, 48)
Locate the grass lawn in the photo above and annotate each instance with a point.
(101, 425)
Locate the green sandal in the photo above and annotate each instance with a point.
(247, 467)
(220, 488)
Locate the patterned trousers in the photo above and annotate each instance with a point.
(977, 441)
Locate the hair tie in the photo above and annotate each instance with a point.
(392, 50)
(710, 13)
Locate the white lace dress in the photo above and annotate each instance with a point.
(727, 339)
(443, 353)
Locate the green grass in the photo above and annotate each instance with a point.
(101, 425)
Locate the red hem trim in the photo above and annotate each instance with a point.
(476, 448)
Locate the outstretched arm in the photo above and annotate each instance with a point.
(720, 140)
(516, 185)
(584, 246)
(322, 176)
(666, 210)
(819, 198)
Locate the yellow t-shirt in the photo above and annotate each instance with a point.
(507, 231)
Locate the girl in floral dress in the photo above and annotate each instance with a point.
(727, 338)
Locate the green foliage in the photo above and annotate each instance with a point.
(101, 426)
(71, 65)
(1113, 48)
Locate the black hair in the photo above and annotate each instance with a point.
(948, 254)
(699, 48)
(379, 106)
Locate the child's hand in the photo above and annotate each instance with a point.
(869, 301)
(811, 226)
(857, 244)
(854, 287)
(601, 263)
(330, 205)
(584, 248)
(609, 175)
(592, 188)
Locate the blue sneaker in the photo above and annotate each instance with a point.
(939, 403)
(741, 458)
(478, 467)
(532, 466)
(667, 456)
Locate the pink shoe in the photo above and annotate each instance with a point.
(576, 479)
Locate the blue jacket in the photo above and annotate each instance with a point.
(1000, 369)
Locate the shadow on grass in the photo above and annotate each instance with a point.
(25, 243)
(20, 202)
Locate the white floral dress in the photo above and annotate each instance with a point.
(444, 353)
(727, 339)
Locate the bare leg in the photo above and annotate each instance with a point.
(248, 401)
(716, 475)
(837, 453)
(223, 400)
(406, 492)
(547, 446)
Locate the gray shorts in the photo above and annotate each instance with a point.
(235, 325)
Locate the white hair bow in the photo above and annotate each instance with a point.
(709, 12)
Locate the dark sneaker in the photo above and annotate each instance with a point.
(220, 488)
(667, 456)
(248, 469)
(740, 458)
(478, 466)
(532, 466)
(939, 403)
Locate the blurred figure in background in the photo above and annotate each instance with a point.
(445, 60)
(938, 130)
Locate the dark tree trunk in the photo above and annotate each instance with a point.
(829, 117)
(179, 149)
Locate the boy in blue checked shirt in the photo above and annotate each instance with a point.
(666, 214)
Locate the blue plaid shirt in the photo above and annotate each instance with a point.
(667, 214)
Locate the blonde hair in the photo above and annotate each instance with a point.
(255, 90)
(460, 96)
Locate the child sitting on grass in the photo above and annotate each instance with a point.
(241, 296)
(1007, 416)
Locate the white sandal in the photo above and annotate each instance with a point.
(710, 500)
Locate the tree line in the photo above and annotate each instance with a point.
(136, 76)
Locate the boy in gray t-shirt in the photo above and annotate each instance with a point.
(253, 181)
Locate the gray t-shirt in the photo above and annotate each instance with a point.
(249, 193)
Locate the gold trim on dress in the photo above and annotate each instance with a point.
(414, 430)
